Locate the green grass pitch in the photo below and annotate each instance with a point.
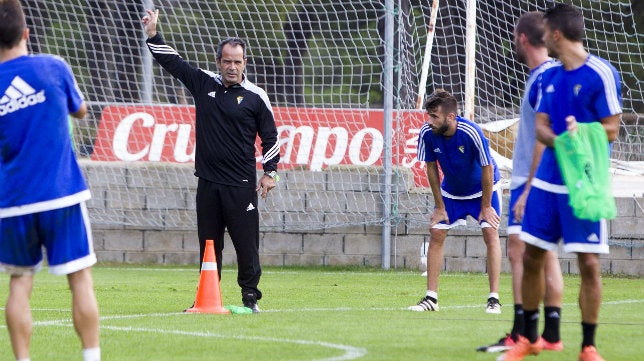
(311, 314)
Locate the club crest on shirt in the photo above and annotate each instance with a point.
(240, 99)
(577, 88)
(212, 94)
(461, 148)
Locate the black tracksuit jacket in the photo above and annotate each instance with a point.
(228, 121)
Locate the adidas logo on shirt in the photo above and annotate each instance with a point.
(19, 95)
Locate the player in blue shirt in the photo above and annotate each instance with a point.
(42, 189)
(530, 50)
(468, 188)
(584, 88)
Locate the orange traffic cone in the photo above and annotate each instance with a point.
(208, 299)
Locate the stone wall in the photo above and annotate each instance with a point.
(167, 235)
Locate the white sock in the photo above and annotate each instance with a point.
(92, 354)
(432, 294)
(24, 359)
(493, 294)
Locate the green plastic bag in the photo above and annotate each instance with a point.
(584, 164)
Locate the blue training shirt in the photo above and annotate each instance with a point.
(590, 93)
(38, 167)
(461, 158)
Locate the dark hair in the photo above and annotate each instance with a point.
(567, 19)
(441, 98)
(531, 24)
(12, 23)
(233, 41)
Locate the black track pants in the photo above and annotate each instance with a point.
(221, 207)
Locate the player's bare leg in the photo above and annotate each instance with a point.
(84, 307)
(434, 266)
(435, 257)
(18, 314)
(493, 263)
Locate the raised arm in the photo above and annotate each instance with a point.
(192, 77)
(150, 22)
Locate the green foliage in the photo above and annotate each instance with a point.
(310, 314)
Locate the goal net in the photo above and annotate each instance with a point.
(323, 65)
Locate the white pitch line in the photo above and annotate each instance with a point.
(453, 307)
(319, 309)
(350, 352)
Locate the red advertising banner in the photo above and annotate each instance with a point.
(313, 138)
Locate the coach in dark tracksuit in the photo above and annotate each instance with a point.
(230, 113)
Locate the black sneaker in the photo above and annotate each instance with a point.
(493, 306)
(425, 304)
(250, 301)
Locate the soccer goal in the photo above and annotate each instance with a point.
(345, 79)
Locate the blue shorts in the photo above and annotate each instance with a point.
(458, 210)
(514, 226)
(65, 234)
(548, 218)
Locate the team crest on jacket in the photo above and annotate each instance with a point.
(240, 99)
(461, 149)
